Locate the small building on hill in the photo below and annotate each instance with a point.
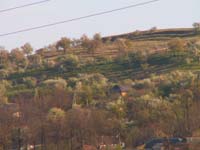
(121, 90)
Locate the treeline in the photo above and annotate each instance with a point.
(85, 110)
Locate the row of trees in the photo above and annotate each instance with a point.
(20, 59)
(81, 111)
(53, 117)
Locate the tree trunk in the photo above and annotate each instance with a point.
(19, 139)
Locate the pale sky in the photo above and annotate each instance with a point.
(162, 14)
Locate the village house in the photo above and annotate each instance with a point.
(120, 90)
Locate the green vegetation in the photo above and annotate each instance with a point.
(113, 90)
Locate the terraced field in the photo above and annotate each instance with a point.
(104, 58)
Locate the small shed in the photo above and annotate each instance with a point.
(118, 89)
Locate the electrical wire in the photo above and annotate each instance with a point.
(22, 6)
(78, 18)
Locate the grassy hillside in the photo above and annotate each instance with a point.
(117, 62)
(109, 60)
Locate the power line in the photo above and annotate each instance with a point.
(22, 6)
(78, 18)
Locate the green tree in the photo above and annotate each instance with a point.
(4, 55)
(18, 59)
(196, 26)
(91, 44)
(35, 61)
(27, 49)
(30, 82)
(69, 62)
(56, 115)
(6, 129)
(56, 118)
(97, 37)
(187, 98)
(3, 98)
(63, 44)
(84, 41)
